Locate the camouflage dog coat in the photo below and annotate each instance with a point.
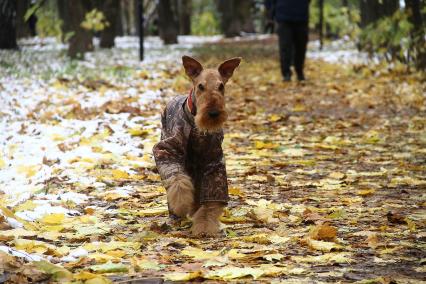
(184, 150)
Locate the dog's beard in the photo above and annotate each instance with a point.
(205, 123)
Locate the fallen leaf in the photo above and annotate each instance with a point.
(232, 272)
(182, 276)
(323, 232)
(322, 246)
(109, 267)
(57, 272)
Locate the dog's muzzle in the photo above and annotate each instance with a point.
(214, 113)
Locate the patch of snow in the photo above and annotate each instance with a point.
(78, 252)
(45, 209)
(14, 223)
(20, 253)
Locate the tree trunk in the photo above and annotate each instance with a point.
(140, 18)
(373, 10)
(185, 10)
(321, 23)
(244, 8)
(119, 22)
(418, 33)
(22, 26)
(81, 41)
(64, 15)
(110, 8)
(236, 17)
(8, 24)
(167, 24)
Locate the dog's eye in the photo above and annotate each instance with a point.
(200, 87)
(221, 87)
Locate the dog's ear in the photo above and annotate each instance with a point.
(226, 69)
(192, 67)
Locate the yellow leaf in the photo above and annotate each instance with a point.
(102, 257)
(276, 239)
(119, 174)
(198, 253)
(274, 118)
(235, 254)
(27, 205)
(53, 228)
(342, 257)
(58, 273)
(8, 213)
(258, 238)
(138, 132)
(273, 256)
(294, 152)
(31, 246)
(18, 232)
(2, 163)
(155, 211)
(264, 145)
(53, 219)
(116, 253)
(336, 175)
(146, 264)
(113, 245)
(236, 191)
(28, 171)
(57, 137)
(366, 192)
(322, 246)
(411, 225)
(323, 232)
(265, 215)
(231, 272)
(109, 267)
(111, 196)
(299, 108)
(183, 276)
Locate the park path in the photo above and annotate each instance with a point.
(326, 178)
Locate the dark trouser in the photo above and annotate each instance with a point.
(293, 40)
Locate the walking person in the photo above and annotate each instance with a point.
(292, 17)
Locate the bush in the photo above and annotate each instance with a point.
(339, 21)
(205, 24)
(388, 37)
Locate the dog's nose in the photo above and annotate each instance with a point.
(214, 113)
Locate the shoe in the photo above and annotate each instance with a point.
(301, 77)
(287, 78)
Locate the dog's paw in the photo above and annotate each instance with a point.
(180, 196)
(208, 228)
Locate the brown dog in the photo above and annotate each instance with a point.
(189, 156)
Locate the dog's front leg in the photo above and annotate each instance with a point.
(206, 219)
(180, 195)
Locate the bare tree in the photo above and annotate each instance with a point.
(236, 16)
(185, 10)
(167, 22)
(22, 26)
(111, 9)
(372, 10)
(418, 33)
(81, 40)
(8, 24)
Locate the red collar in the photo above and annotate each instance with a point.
(190, 103)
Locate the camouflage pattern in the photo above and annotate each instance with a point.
(184, 150)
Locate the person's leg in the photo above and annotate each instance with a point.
(300, 43)
(286, 49)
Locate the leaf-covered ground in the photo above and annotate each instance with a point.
(327, 178)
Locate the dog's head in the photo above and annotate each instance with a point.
(209, 91)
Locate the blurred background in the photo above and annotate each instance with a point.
(394, 30)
